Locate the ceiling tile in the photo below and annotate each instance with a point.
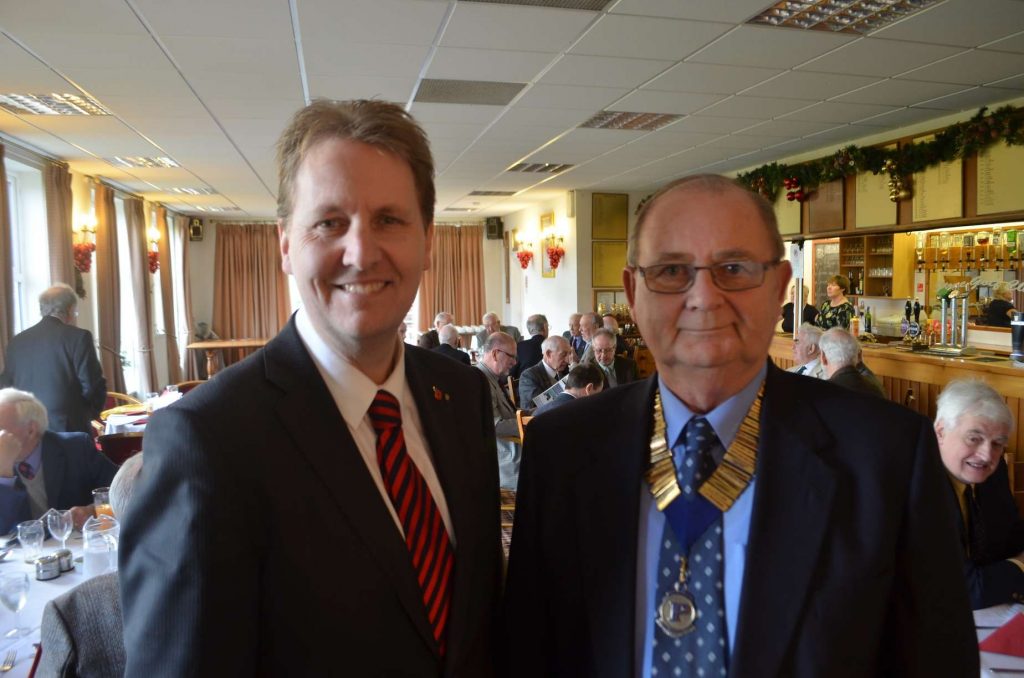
(330, 57)
(808, 85)
(564, 96)
(883, 58)
(453, 113)
(734, 11)
(1010, 83)
(748, 107)
(971, 99)
(834, 112)
(533, 29)
(651, 101)
(899, 92)
(647, 38)
(785, 127)
(713, 124)
(264, 19)
(904, 116)
(1014, 43)
(393, 22)
(397, 89)
(967, 23)
(976, 67)
(231, 55)
(573, 69)
(458, 63)
(111, 17)
(769, 47)
(522, 115)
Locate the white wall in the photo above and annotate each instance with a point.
(494, 280)
(200, 261)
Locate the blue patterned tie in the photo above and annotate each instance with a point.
(703, 651)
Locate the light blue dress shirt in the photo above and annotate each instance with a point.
(725, 420)
(34, 460)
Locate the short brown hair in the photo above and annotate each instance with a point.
(840, 280)
(711, 183)
(377, 123)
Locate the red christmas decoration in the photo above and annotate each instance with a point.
(154, 261)
(83, 256)
(555, 255)
(794, 190)
(525, 257)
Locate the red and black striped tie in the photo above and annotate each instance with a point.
(425, 534)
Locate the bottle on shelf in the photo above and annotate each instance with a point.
(867, 320)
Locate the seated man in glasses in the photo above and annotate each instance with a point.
(725, 517)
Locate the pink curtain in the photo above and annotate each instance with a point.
(455, 280)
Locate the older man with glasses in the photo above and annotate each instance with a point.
(497, 358)
(725, 517)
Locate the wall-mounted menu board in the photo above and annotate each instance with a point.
(825, 208)
(1000, 179)
(609, 258)
(873, 206)
(788, 214)
(610, 216)
(938, 191)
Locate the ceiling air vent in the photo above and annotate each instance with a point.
(126, 161)
(592, 5)
(51, 104)
(539, 167)
(840, 16)
(478, 92)
(645, 122)
(501, 194)
(192, 191)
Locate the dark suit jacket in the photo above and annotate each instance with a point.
(852, 566)
(82, 634)
(991, 579)
(259, 543)
(428, 340)
(528, 354)
(453, 353)
(851, 378)
(72, 469)
(559, 400)
(533, 382)
(625, 370)
(57, 363)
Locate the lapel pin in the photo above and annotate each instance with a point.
(439, 394)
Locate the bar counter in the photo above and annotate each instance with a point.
(915, 379)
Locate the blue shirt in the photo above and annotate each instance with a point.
(34, 460)
(725, 420)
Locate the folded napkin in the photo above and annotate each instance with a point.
(1007, 639)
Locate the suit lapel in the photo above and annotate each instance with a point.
(792, 503)
(308, 413)
(53, 469)
(447, 437)
(608, 504)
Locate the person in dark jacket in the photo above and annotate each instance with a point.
(449, 338)
(840, 352)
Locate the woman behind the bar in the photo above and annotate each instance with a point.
(837, 310)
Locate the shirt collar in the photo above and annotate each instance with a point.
(35, 460)
(547, 368)
(810, 365)
(724, 419)
(357, 394)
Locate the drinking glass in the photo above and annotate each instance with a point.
(30, 536)
(101, 502)
(60, 524)
(14, 595)
(99, 541)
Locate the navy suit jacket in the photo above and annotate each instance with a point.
(259, 542)
(852, 563)
(72, 469)
(528, 354)
(57, 363)
(453, 353)
(559, 400)
(991, 579)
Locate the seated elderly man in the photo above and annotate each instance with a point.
(839, 354)
(449, 338)
(973, 424)
(41, 469)
(806, 352)
(82, 633)
(584, 380)
(492, 324)
(617, 369)
(496, 359)
(542, 376)
(574, 327)
(432, 338)
(611, 323)
(589, 323)
(529, 351)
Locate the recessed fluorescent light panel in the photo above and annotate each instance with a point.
(136, 162)
(477, 92)
(840, 16)
(193, 191)
(644, 122)
(50, 104)
(459, 209)
(501, 194)
(217, 209)
(539, 167)
(592, 5)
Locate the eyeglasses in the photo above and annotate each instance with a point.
(513, 357)
(730, 276)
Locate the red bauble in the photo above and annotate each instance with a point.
(525, 257)
(154, 261)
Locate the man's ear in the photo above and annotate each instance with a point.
(940, 429)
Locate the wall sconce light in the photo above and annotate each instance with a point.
(84, 243)
(554, 242)
(153, 235)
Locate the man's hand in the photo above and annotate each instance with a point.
(80, 514)
(10, 450)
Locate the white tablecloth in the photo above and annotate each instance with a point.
(39, 593)
(125, 423)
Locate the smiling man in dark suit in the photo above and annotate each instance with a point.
(335, 451)
(724, 517)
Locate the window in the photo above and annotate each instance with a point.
(129, 348)
(30, 252)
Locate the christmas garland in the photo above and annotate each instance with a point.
(958, 141)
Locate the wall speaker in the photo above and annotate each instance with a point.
(570, 204)
(494, 228)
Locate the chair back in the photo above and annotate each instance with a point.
(522, 420)
(512, 384)
(115, 399)
(117, 447)
(186, 386)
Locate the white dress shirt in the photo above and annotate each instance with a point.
(353, 393)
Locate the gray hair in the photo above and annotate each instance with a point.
(443, 317)
(58, 300)
(709, 183)
(840, 347)
(810, 334)
(553, 343)
(448, 335)
(536, 324)
(122, 487)
(975, 397)
(490, 314)
(27, 407)
(603, 332)
(498, 340)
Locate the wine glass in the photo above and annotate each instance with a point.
(14, 595)
(59, 523)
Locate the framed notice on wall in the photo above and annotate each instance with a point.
(1000, 178)
(610, 217)
(938, 190)
(609, 260)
